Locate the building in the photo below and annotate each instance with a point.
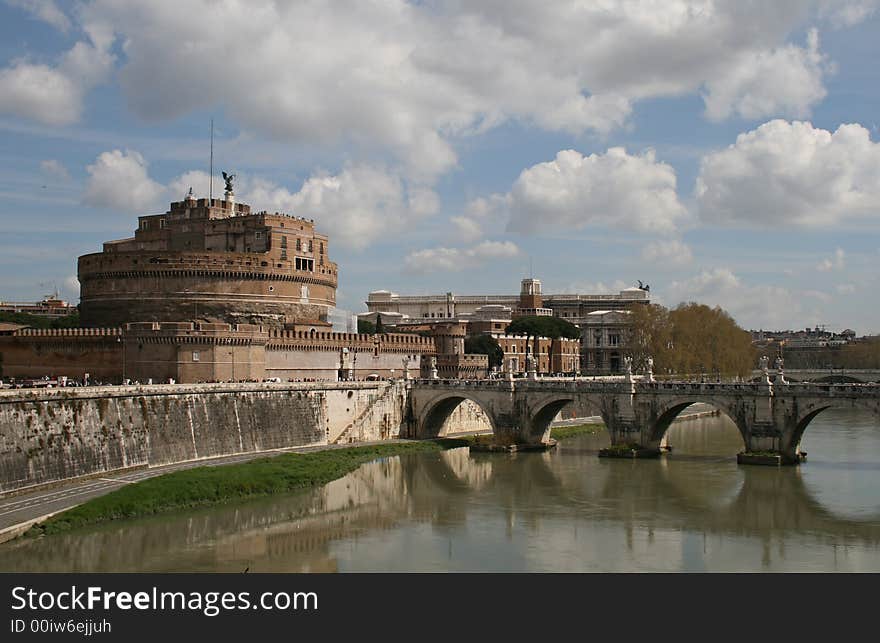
(214, 261)
(210, 291)
(572, 307)
(603, 320)
(50, 306)
(604, 334)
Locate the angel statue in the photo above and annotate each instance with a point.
(228, 178)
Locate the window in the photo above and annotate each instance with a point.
(298, 245)
(614, 340)
(322, 247)
(283, 242)
(195, 356)
(258, 235)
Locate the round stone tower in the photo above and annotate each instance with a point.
(211, 260)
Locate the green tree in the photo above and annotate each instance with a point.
(539, 326)
(366, 327)
(690, 339)
(380, 329)
(650, 335)
(485, 345)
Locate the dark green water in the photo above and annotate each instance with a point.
(567, 510)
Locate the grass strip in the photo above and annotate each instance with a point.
(564, 432)
(212, 485)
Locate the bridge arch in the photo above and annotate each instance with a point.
(811, 410)
(673, 408)
(543, 411)
(438, 410)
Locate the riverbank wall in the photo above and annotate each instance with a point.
(51, 435)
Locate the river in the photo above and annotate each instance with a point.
(691, 510)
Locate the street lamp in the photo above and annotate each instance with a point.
(120, 341)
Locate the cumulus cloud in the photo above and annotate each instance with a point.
(668, 253)
(614, 189)
(359, 204)
(781, 82)
(466, 229)
(54, 95)
(834, 263)
(792, 173)
(456, 259)
(120, 180)
(753, 306)
(413, 78)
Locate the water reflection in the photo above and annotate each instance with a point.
(565, 510)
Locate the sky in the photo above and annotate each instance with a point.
(723, 152)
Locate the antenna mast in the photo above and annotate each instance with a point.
(211, 168)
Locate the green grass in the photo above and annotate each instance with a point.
(206, 486)
(563, 432)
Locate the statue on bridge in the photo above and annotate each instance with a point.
(765, 365)
(649, 369)
(780, 375)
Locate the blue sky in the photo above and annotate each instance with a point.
(723, 152)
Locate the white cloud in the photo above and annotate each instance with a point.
(792, 173)
(357, 206)
(782, 82)
(845, 289)
(467, 229)
(45, 10)
(55, 95)
(413, 78)
(847, 12)
(667, 253)
(40, 93)
(834, 263)
(456, 259)
(54, 169)
(119, 180)
(614, 189)
(752, 306)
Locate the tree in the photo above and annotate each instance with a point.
(485, 345)
(650, 335)
(366, 327)
(693, 338)
(380, 329)
(539, 326)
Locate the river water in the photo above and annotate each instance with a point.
(692, 510)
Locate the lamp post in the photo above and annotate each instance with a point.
(120, 341)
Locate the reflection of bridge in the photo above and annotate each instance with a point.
(828, 375)
(770, 417)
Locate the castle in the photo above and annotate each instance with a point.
(210, 291)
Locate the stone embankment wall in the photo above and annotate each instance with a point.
(56, 434)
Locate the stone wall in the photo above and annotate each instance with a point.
(51, 435)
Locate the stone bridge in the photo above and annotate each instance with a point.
(825, 375)
(770, 417)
